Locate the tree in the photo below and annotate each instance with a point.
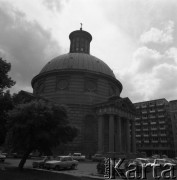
(6, 104)
(38, 125)
(5, 80)
(5, 97)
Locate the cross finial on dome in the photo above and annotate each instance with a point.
(81, 26)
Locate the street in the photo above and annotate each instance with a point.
(84, 168)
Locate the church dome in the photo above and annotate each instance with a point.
(77, 62)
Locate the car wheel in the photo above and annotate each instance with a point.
(57, 168)
(73, 166)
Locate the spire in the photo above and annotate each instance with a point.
(80, 41)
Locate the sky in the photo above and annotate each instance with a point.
(136, 38)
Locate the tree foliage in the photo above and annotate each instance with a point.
(6, 104)
(5, 97)
(38, 125)
(5, 80)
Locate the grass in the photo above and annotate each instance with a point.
(30, 174)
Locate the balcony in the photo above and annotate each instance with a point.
(154, 141)
(146, 141)
(144, 117)
(138, 135)
(138, 129)
(161, 116)
(153, 128)
(144, 112)
(145, 129)
(161, 122)
(162, 128)
(160, 110)
(163, 141)
(137, 107)
(145, 123)
(137, 123)
(152, 111)
(151, 105)
(153, 123)
(143, 105)
(137, 118)
(159, 103)
(151, 117)
(164, 135)
(138, 141)
(154, 135)
(146, 135)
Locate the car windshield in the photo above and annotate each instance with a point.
(98, 155)
(58, 158)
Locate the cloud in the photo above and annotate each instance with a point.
(144, 59)
(25, 44)
(54, 5)
(155, 35)
(152, 75)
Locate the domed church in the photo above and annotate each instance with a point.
(90, 90)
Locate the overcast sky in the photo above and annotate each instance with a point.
(136, 38)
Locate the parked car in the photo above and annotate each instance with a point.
(40, 163)
(140, 162)
(78, 157)
(2, 157)
(61, 162)
(97, 157)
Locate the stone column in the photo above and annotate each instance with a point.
(119, 136)
(100, 134)
(111, 133)
(133, 137)
(127, 136)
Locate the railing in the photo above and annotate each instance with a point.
(145, 129)
(153, 128)
(153, 141)
(161, 122)
(151, 105)
(151, 117)
(146, 135)
(163, 141)
(153, 111)
(160, 116)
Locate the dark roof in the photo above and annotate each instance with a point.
(78, 61)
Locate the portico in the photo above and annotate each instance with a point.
(116, 129)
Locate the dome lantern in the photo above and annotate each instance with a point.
(80, 41)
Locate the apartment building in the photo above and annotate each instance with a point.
(173, 115)
(154, 133)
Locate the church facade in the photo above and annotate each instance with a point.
(91, 92)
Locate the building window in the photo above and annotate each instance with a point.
(112, 90)
(40, 87)
(62, 84)
(90, 85)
